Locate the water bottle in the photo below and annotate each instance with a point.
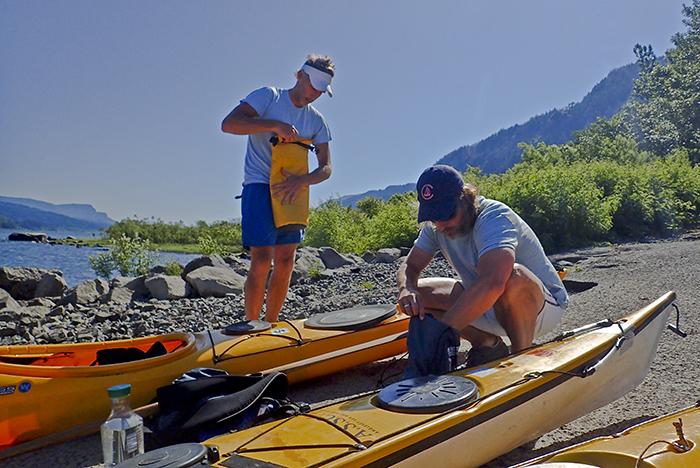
(122, 433)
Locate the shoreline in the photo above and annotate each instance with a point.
(628, 276)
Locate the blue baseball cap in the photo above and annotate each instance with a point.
(439, 188)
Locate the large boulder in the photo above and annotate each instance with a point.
(22, 283)
(167, 287)
(206, 260)
(388, 255)
(240, 264)
(29, 237)
(306, 264)
(86, 292)
(7, 302)
(332, 259)
(51, 285)
(214, 281)
(125, 289)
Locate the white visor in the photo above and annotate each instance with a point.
(320, 80)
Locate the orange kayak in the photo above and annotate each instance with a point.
(51, 388)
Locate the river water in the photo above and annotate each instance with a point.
(72, 261)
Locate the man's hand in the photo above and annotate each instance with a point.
(410, 303)
(286, 132)
(288, 190)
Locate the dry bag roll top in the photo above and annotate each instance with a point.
(293, 158)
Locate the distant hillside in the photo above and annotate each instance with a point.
(81, 212)
(16, 216)
(500, 151)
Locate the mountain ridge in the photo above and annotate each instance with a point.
(499, 151)
(77, 211)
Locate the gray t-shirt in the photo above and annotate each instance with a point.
(275, 104)
(496, 226)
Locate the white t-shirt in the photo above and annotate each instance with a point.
(496, 226)
(275, 104)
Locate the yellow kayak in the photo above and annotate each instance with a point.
(669, 441)
(468, 417)
(46, 389)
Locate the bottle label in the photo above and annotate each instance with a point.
(131, 445)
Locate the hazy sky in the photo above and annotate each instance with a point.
(119, 104)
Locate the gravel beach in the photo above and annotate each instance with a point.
(627, 277)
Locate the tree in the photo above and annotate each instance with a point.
(664, 113)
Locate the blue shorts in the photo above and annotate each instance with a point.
(258, 225)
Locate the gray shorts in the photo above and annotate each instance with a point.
(548, 318)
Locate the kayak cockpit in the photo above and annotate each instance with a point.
(95, 354)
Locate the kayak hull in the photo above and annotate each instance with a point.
(521, 398)
(60, 389)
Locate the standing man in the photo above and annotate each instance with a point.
(507, 286)
(287, 114)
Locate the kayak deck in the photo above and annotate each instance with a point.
(520, 397)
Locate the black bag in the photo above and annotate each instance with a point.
(432, 348)
(196, 410)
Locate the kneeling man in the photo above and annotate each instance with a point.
(507, 286)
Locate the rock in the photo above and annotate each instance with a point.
(206, 260)
(7, 302)
(167, 287)
(387, 255)
(104, 315)
(87, 292)
(238, 263)
(22, 283)
(356, 259)
(157, 270)
(332, 259)
(306, 262)
(39, 237)
(36, 312)
(215, 281)
(42, 301)
(8, 328)
(125, 289)
(369, 256)
(119, 295)
(404, 251)
(51, 284)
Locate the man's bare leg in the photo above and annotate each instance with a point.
(254, 289)
(279, 281)
(518, 307)
(438, 295)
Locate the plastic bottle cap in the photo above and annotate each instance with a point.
(119, 391)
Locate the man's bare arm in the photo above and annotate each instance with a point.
(493, 271)
(244, 120)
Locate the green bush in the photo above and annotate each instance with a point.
(129, 256)
(173, 268)
(210, 246)
(372, 225)
(223, 233)
(102, 264)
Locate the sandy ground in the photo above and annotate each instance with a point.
(628, 276)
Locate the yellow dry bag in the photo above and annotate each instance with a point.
(293, 157)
